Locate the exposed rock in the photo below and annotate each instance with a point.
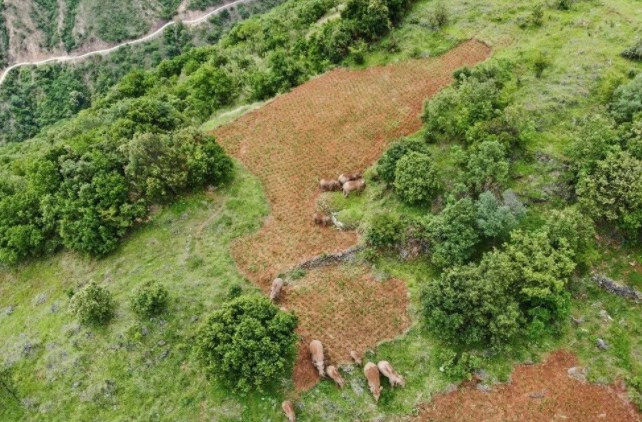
(577, 373)
(615, 288)
(484, 388)
(537, 394)
(9, 310)
(605, 316)
(356, 386)
(578, 320)
(144, 331)
(161, 342)
(330, 259)
(601, 344)
(39, 299)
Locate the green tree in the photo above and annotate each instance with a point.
(613, 191)
(572, 229)
(385, 231)
(387, 164)
(627, 100)
(487, 167)
(416, 179)
(370, 18)
(453, 234)
(93, 305)
(150, 299)
(247, 344)
(494, 219)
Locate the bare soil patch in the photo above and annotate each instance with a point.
(542, 392)
(347, 309)
(338, 122)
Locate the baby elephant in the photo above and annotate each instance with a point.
(390, 373)
(329, 185)
(333, 373)
(316, 352)
(288, 409)
(346, 177)
(275, 292)
(322, 220)
(374, 383)
(353, 186)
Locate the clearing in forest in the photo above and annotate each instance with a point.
(339, 122)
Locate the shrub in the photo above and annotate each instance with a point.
(453, 233)
(634, 52)
(387, 164)
(487, 167)
(494, 219)
(247, 344)
(471, 305)
(150, 299)
(613, 191)
(450, 113)
(627, 100)
(416, 179)
(596, 137)
(93, 305)
(439, 16)
(570, 228)
(370, 18)
(540, 64)
(518, 291)
(385, 231)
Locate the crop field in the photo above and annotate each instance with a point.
(339, 122)
(529, 393)
(347, 309)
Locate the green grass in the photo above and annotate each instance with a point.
(63, 375)
(132, 369)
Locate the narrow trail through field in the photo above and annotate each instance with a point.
(103, 52)
(339, 122)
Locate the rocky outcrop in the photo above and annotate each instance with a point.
(617, 289)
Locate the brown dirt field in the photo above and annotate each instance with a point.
(338, 122)
(345, 308)
(542, 392)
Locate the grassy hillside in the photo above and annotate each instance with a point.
(565, 65)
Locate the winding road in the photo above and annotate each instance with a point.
(105, 51)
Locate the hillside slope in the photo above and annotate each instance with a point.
(35, 29)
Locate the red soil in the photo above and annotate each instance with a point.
(536, 393)
(339, 122)
(345, 308)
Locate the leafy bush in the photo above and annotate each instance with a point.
(627, 100)
(416, 179)
(613, 191)
(596, 137)
(385, 231)
(93, 305)
(439, 17)
(634, 52)
(450, 113)
(453, 233)
(494, 219)
(487, 166)
(247, 344)
(518, 291)
(370, 18)
(387, 164)
(150, 299)
(570, 228)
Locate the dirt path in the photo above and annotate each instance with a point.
(339, 122)
(71, 58)
(536, 393)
